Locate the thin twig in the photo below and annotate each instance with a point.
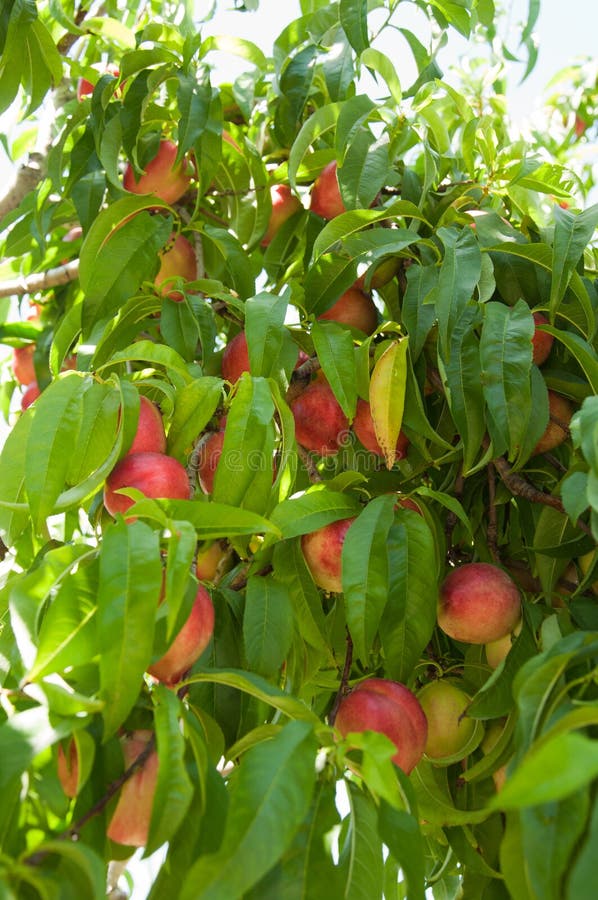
(310, 465)
(492, 529)
(343, 687)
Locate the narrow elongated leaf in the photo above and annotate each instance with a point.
(76, 864)
(270, 798)
(244, 473)
(14, 511)
(27, 733)
(174, 790)
(410, 613)
(290, 568)
(572, 233)
(434, 801)
(465, 392)
(353, 18)
(559, 767)
(312, 510)
(267, 624)
(506, 360)
(459, 274)
(257, 687)
(195, 404)
(321, 121)
(50, 444)
(128, 593)
(272, 351)
(360, 857)
(400, 831)
(333, 345)
(365, 575)
(419, 314)
(378, 62)
(387, 397)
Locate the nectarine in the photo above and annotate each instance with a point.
(322, 550)
(176, 260)
(320, 423)
(154, 474)
(354, 308)
(162, 176)
(326, 198)
(189, 643)
(541, 341)
(478, 603)
(131, 818)
(450, 731)
(150, 435)
(560, 411)
(363, 426)
(284, 205)
(389, 708)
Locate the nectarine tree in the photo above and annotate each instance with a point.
(298, 478)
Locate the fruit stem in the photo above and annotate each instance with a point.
(343, 687)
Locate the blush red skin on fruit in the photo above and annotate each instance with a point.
(541, 341)
(161, 176)
(130, 821)
(326, 198)
(150, 435)
(30, 394)
(67, 767)
(363, 426)
(354, 308)
(284, 205)
(177, 260)
(235, 358)
(478, 603)
(189, 643)
(389, 708)
(154, 474)
(320, 423)
(209, 451)
(322, 550)
(22, 364)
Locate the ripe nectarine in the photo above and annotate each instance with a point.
(560, 411)
(176, 260)
(131, 818)
(150, 435)
(162, 176)
(389, 708)
(354, 308)
(478, 603)
(284, 205)
(154, 474)
(189, 643)
(322, 550)
(320, 423)
(541, 341)
(326, 198)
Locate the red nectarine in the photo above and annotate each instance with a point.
(150, 435)
(560, 412)
(541, 341)
(389, 708)
(131, 818)
(322, 550)
(326, 198)
(189, 643)
(162, 176)
(235, 358)
(478, 603)
(284, 205)
(320, 423)
(176, 260)
(154, 474)
(354, 308)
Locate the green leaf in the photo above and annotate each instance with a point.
(257, 687)
(128, 594)
(291, 569)
(120, 250)
(267, 624)
(506, 360)
(174, 790)
(27, 733)
(354, 22)
(333, 345)
(360, 855)
(52, 437)
(464, 391)
(459, 274)
(75, 864)
(378, 62)
(365, 572)
(555, 769)
(14, 512)
(419, 314)
(195, 404)
(244, 473)
(272, 351)
(270, 798)
(321, 121)
(434, 801)
(410, 613)
(312, 510)
(400, 831)
(572, 234)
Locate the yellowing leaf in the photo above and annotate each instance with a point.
(387, 397)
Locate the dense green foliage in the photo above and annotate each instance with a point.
(483, 229)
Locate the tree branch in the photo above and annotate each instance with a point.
(344, 680)
(27, 178)
(41, 281)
